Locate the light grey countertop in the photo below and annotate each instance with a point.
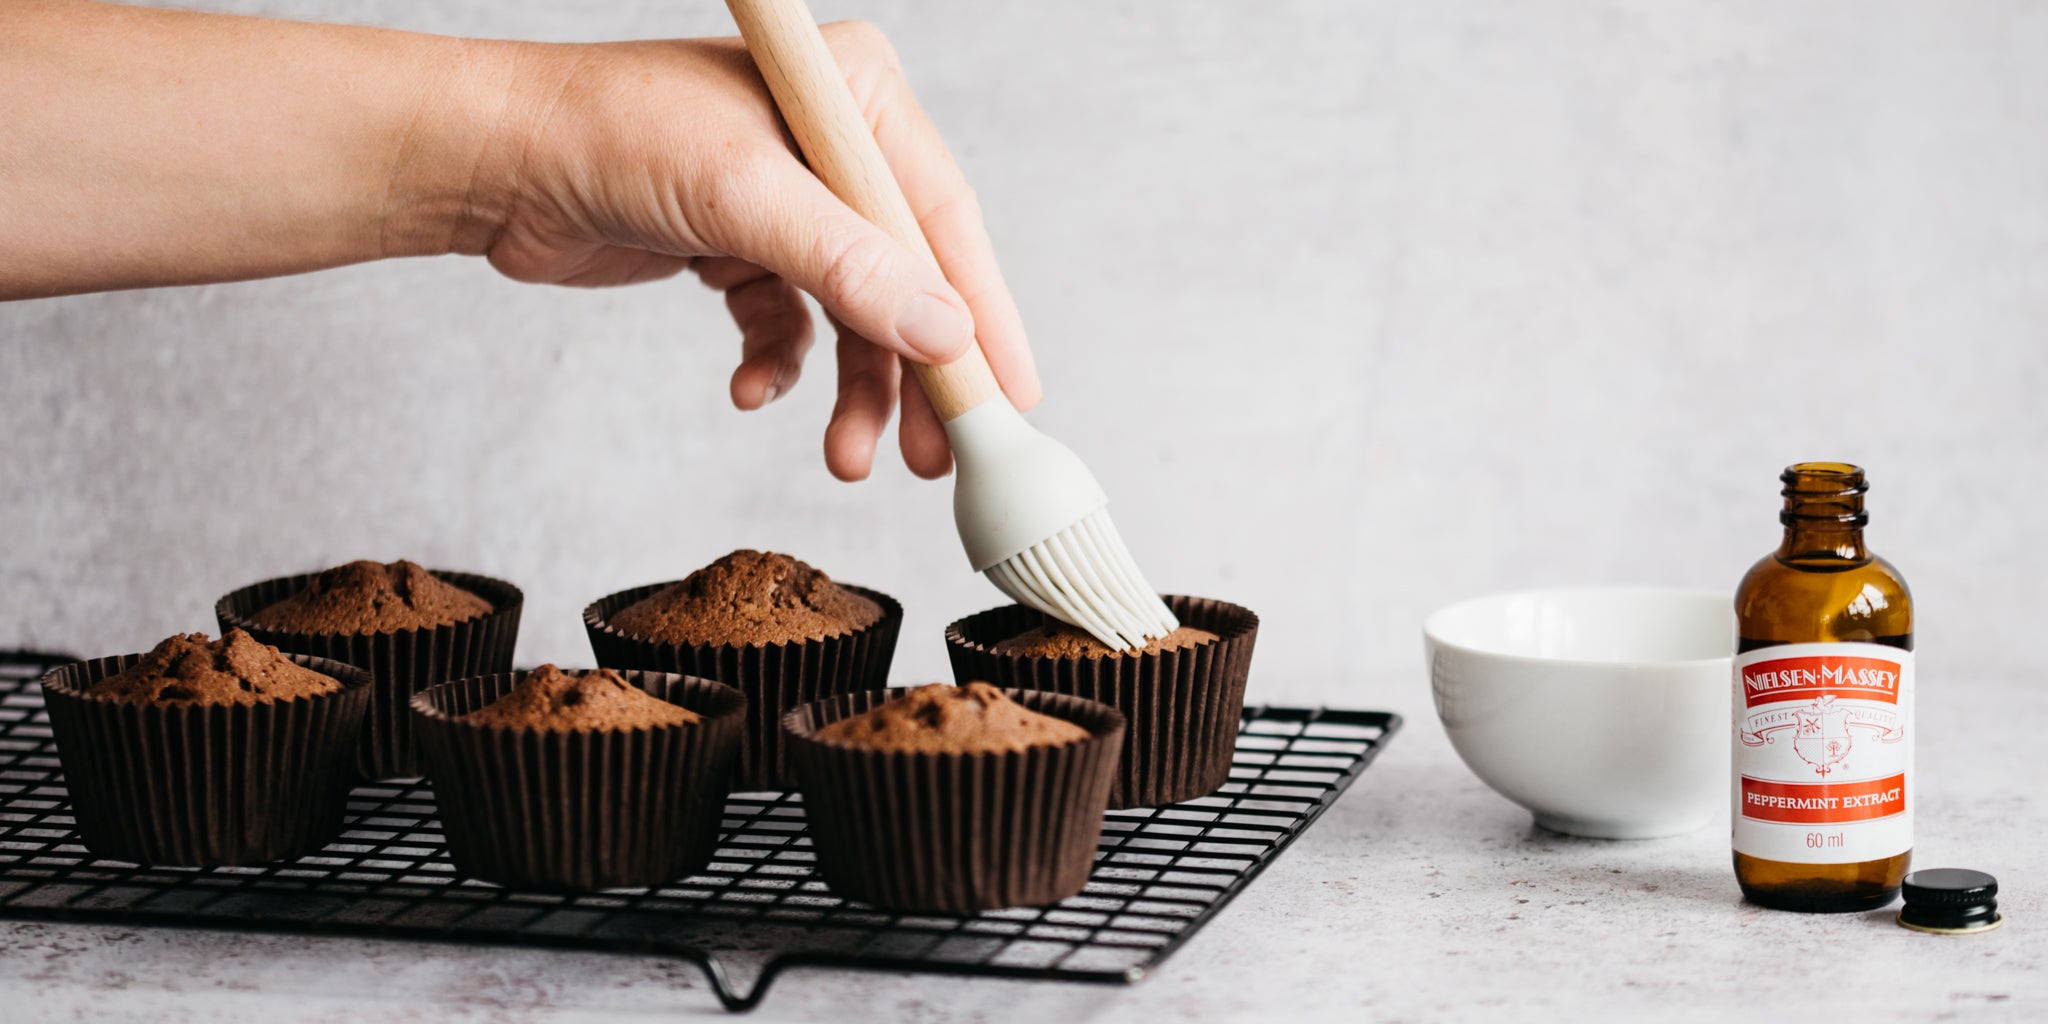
(1420, 896)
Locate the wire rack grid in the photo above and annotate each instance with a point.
(1161, 873)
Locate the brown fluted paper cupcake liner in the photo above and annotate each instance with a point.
(571, 810)
(1184, 706)
(403, 662)
(955, 833)
(774, 677)
(205, 785)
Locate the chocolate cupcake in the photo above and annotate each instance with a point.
(781, 631)
(944, 800)
(207, 753)
(1183, 694)
(575, 781)
(410, 627)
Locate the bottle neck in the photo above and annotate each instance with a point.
(1823, 514)
(1804, 544)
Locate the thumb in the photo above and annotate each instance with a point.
(881, 289)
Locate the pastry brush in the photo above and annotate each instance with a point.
(1031, 516)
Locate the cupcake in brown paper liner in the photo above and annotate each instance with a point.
(410, 627)
(779, 630)
(1183, 695)
(207, 753)
(944, 800)
(575, 781)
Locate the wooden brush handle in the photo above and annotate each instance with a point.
(834, 137)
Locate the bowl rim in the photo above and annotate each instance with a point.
(1431, 624)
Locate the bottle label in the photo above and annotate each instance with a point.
(1824, 752)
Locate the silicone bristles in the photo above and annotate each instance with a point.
(1084, 575)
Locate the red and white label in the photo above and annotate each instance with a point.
(1823, 752)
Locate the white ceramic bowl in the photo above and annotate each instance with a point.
(1602, 709)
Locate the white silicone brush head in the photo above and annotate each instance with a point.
(1084, 575)
(1035, 521)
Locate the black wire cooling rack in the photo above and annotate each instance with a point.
(1160, 875)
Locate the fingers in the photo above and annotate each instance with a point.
(775, 331)
(961, 243)
(868, 378)
(939, 196)
(780, 217)
(723, 273)
(870, 383)
(922, 438)
(780, 224)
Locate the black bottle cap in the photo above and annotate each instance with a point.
(1950, 901)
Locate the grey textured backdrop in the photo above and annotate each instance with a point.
(1356, 308)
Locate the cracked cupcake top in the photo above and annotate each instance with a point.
(748, 597)
(1059, 640)
(587, 701)
(192, 669)
(372, 597)
(937, 718)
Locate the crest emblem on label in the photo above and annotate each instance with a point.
(1821, 737)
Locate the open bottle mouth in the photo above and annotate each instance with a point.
(1823, 492)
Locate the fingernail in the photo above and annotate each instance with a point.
(932, 326)
(774, 392)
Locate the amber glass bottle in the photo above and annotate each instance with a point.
(1823, 708)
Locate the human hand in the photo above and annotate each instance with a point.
(222, 148)
(626, 162)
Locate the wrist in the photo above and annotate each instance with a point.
(457, 152)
